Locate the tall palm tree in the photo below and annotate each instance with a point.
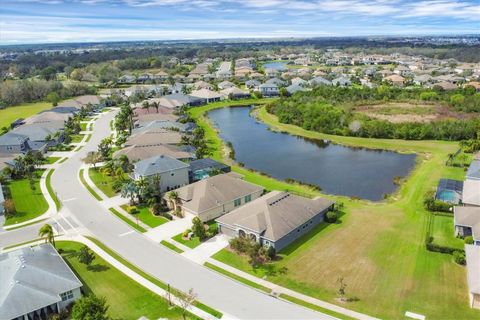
(130, 190)
(173, 197)
(47, 232)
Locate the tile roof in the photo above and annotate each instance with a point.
(158, 164)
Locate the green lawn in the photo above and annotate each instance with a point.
(378, 248)
(76, 138)
(171, 246)
(314, 307)
(85, 184)
(10, 114)
(238, 278)
(126, 298)
(103, 182)
(29, 203)
(146, 216)
(443, 232)
(128, 221)
(52, 160)
(52, 193)
(194, 241)
(83, 126)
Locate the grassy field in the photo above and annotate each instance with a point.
(26, 110)
(238, 278)
(76, 138)
(442, 232)
(52, 160)
(126, 298)
(146, 216)
(195, 241)
(103, 182)
(378, 248)
(29, 203)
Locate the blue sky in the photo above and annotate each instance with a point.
(53, 21)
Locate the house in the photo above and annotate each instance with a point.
(8, 160)
(202, 85)
(271, 72)
(472, 256)
(268, 89)
(224, 70)
(319, 81)
(35, 282)
(471, 185)
(299, 81)
(2, 200)
(136, 153)
(473, 84)
(276, 219)
(446, 85)
(214, 196)
(467, 222)
(225, 85)
(154, 137)
(293, 88)
(173, 173)
(127, 79)
(207, 95)
(234, 93)
(252, 84)
(395, 80)
(13, 143)
(342, 82)
(203, 168)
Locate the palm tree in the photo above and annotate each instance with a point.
(130, 190)
(173, 197)
(47, 232)
(146, 106)
(156, 105)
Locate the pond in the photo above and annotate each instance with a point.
(355, 172)
(277, 65)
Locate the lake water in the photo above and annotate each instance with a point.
(277, 65)
(358, 172)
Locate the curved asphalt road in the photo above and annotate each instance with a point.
(213, 289)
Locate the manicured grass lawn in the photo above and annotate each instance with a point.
(146, 216)
(85, 184)
(126, 298)
(50, 190)
(171, 246)
(130, 222)
(378, 248)
(83, 126)
(29, 203)
(52, 160)
(76, 138)
(314, 307)
(238, 278)
(103, 182)
(10, 114)
(443, 232)
(194, 241)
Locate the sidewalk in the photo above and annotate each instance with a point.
(277, 290)
(204, 251)
(169, 229)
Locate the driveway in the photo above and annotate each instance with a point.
(204, 251)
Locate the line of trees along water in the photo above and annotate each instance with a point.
(329, 110)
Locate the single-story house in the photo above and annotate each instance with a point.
(202, 85)
(173, 173)
(136, 153)
(35, 282)
(2, 200)
(225, 85)
(154, 137)
(13, 143)
(202, 168)
(8, 160)
(295, 88)
(446, 85)
(342, 82)
(214, 196)
(276, 219)
(449, 190)
(395, 79)
(471, 185)
(472, 256)
(161, 125)
(467, 222)
(319, 81)
(252, 84)
(276, 81)
(207, 95)
(234, 93)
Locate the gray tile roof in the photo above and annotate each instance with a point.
(39, 131)
(468, 217)
(206, 163)
(474, 170)
(214, 191)
(137, 153)
(32, 278)
(12, 139)
(275, 214)
(158, 164)
(472, 255)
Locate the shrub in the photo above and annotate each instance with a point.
(167, 215)
(331, 216)
(186, 233)
(271, 252)
(133, 210)
(469, 240)
(432, 204)
(459, 257)
(198, 228)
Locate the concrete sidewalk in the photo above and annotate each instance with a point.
(170, 229)
(205, 250)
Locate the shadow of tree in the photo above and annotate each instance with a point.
(98, 267)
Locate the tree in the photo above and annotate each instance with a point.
(173, 197)
(90, 307)
(342, 287)
(53, 97)
(92, 158)
(49, 73)
(9, 207)
(47, 232)
(198, 229)
(130, 190)
(86, 256)
(186, 300)
(146, 106)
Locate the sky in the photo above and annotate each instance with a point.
(58, 21)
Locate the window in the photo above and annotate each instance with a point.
(248, 198)
(66, 295)
(237, 202)
(172, 174)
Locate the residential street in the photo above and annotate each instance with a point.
(81, 213)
